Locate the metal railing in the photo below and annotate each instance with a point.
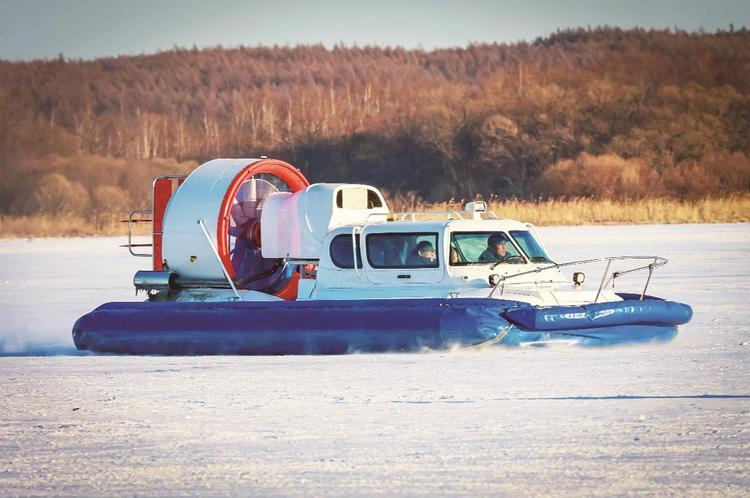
(130, 245)
(656, 261)
(146, 212)
(452, 214)
(412, 215)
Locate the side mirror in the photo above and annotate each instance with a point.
(578, 278)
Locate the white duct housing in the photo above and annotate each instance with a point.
(294, 225)
(210, 193)
(186, 249)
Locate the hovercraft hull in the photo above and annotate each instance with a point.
(372, 325)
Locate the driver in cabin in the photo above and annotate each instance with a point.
(496, 249)
(424, 256)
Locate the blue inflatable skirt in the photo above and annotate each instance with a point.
(382, 325)
(290, 327)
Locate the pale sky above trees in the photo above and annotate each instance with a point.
(99, 28)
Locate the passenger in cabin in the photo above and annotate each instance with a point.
(496, 249)
(423, 256)
(455, 256)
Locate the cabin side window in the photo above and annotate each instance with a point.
(402, 250)
(342, 254)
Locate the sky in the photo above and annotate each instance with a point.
(31, 29)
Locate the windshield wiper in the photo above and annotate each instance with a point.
(540, 259)
(508, 259)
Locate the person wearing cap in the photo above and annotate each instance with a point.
(423, 256)
(496, 249)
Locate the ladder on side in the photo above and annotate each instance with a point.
(163, 189)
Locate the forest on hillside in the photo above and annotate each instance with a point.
(604, 113)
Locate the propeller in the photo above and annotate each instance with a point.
(252, 270)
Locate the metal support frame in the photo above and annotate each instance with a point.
(355, 251)
(149, 212)
(130, 244)
(648, 279)
(202, 224)
(601, 284)
(606, 276)
(412, 215)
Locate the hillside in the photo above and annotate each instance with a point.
(601, 113)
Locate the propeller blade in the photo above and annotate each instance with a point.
(247, 205)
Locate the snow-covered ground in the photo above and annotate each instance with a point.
(664, 419)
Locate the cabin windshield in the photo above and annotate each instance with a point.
(481, 248)
(530, 246)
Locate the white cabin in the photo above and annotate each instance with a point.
(331, 225)
(384, 268)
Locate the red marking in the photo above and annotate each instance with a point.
(289, 291)
(163, 190)
(286, 173)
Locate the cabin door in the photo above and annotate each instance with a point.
(403, 259)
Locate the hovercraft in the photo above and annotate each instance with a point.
(249, 258)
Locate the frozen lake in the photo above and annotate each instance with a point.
(660, 418)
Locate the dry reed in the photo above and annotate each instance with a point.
(585, 211)
(581, 211)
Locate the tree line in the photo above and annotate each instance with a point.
(603, 112)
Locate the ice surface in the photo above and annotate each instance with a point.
(650, 419)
